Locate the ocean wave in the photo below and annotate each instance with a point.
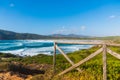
(31, 51)
(34, 47)
(7, 46)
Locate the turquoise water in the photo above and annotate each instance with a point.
(34, 47)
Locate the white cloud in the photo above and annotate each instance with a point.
(12, 5)
(112, 16)
(70, 30)
(60, 31)
(83, 28)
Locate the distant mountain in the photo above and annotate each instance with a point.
(9, 35)
(69, 36)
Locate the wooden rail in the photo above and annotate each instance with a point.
(104, 49)
(68, 59)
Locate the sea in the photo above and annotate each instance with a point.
(35, 47)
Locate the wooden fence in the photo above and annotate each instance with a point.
(104, 50)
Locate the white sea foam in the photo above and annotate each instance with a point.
(35, 51)
(31, 51)
(16, 52)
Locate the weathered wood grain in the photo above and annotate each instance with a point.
(85, 43)
(113, 53)
(104, 62)
(54, 58)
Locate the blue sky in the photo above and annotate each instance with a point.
(84, 17)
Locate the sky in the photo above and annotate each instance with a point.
(45, 17)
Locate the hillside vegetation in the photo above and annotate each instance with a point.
(40, 66)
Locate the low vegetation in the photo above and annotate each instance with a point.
(91, 70)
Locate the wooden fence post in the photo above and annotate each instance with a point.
(104, 62)
(54, 58)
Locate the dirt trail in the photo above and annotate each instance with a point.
(9, 76)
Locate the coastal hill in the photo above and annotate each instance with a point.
(10, 35)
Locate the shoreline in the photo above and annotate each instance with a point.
(34, 47)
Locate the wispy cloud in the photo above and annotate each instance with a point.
(60, 31)
(12, 5)
(71, 30)
(112, 16)
(83, 28)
